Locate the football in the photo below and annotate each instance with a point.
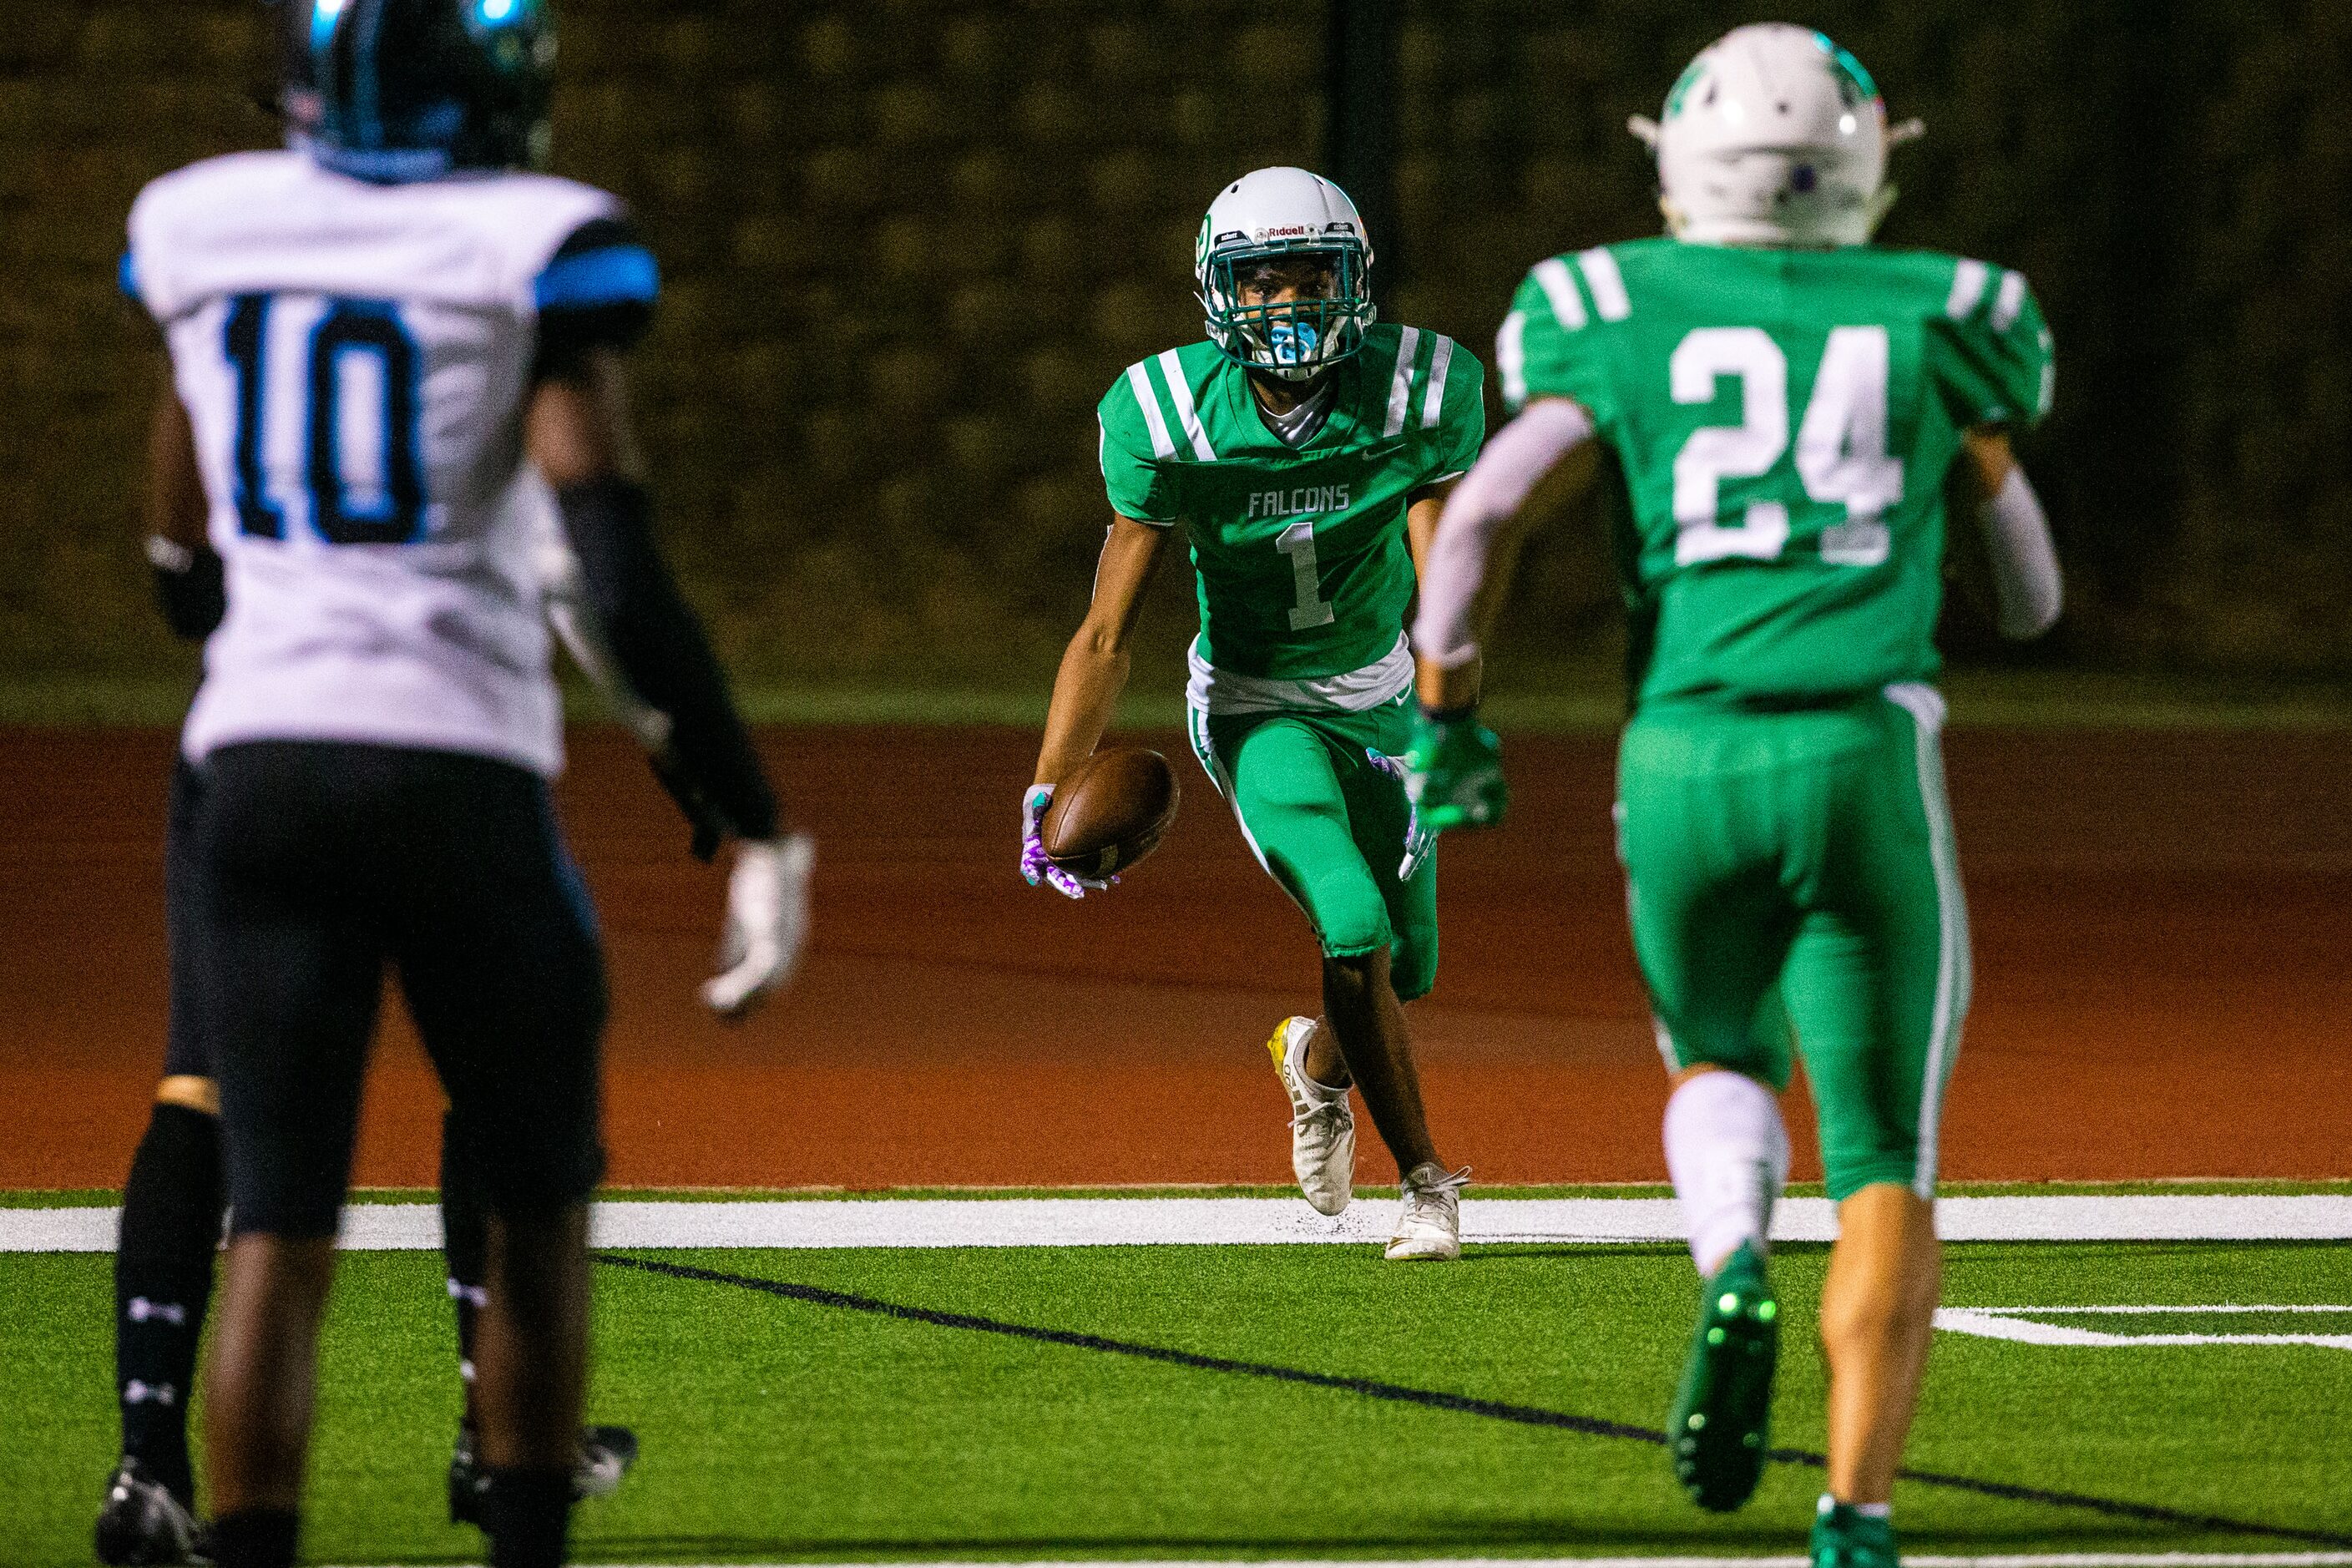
(1111, 812)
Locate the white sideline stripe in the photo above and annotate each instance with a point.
(1227, 1222)
(2016, 1323)
(2034, 1559)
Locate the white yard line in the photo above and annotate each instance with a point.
(2040, 1560)
(2018, 1323)
(1214, 1222)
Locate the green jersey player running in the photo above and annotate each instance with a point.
(1307, 451)
(1776, 404)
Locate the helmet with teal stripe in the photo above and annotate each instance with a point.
(1299, 233)
(1774, 136)
(414, 89)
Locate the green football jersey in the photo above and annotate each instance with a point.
(1783, 421)
(1304, 569)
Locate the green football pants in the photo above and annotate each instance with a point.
(1330, 827)
(1795, 872)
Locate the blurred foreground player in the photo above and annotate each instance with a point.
(173, 1198)
(1778, 405)
(369, 332)
(1309, 450)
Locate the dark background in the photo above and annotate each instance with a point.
(907, 244)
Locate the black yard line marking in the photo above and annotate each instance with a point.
(1493, 1409)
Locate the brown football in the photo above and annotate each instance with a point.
(1111, 812)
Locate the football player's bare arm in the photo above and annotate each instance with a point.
(190, 586)
(2027, 590)
(1095, 666)
(1538, 464)
(578, 429)
(1422, 509)
(175, 486)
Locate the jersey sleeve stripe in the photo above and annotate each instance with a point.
(1180, 391)
(1968, 280)
(1433, 401)
(1139, 381)
(1608, 284)
(1401, 383)
(126, 276)
(617, 275)
(1511, 357)
(1566, 304)
(2008, 301)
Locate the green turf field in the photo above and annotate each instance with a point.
(815, 1425)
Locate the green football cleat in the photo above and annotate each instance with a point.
(1454, 772)
(1845, 1538)
(1724, 1410)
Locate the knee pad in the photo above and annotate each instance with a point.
(1350, 921)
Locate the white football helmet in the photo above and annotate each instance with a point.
(1285, 212)
(1774, 136)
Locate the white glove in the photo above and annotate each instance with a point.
(767, 923)
(1418, 840)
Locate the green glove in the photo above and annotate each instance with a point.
(1454, 771)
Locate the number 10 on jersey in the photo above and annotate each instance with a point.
(358, 349)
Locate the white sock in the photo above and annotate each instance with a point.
(1728, 1154)
(1867, 1510)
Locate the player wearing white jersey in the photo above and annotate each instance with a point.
(173, 1201)
(369, 331)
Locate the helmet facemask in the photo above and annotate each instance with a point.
(1296, 338)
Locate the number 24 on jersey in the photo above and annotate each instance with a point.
(1841, 447)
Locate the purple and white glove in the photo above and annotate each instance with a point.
(1418, 840)
(1035, 867)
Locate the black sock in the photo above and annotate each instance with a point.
(256, 1537)
(466, 1241)
(527, 1514)
(162, 1282)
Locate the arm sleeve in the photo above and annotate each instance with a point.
(1520, 455)
(1990, 351)
(597, 292)
(659, 645)
(1143, 489)
(2025, 580)
(1548, 347)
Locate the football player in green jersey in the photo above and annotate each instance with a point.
(1307, 450)
(1775, 405)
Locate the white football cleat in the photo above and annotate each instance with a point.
(1429, 1225)
(1322, 1125)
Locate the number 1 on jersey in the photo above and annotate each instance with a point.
(1297, 542)
(1841, 457)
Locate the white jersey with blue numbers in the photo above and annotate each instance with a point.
(355, 360)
